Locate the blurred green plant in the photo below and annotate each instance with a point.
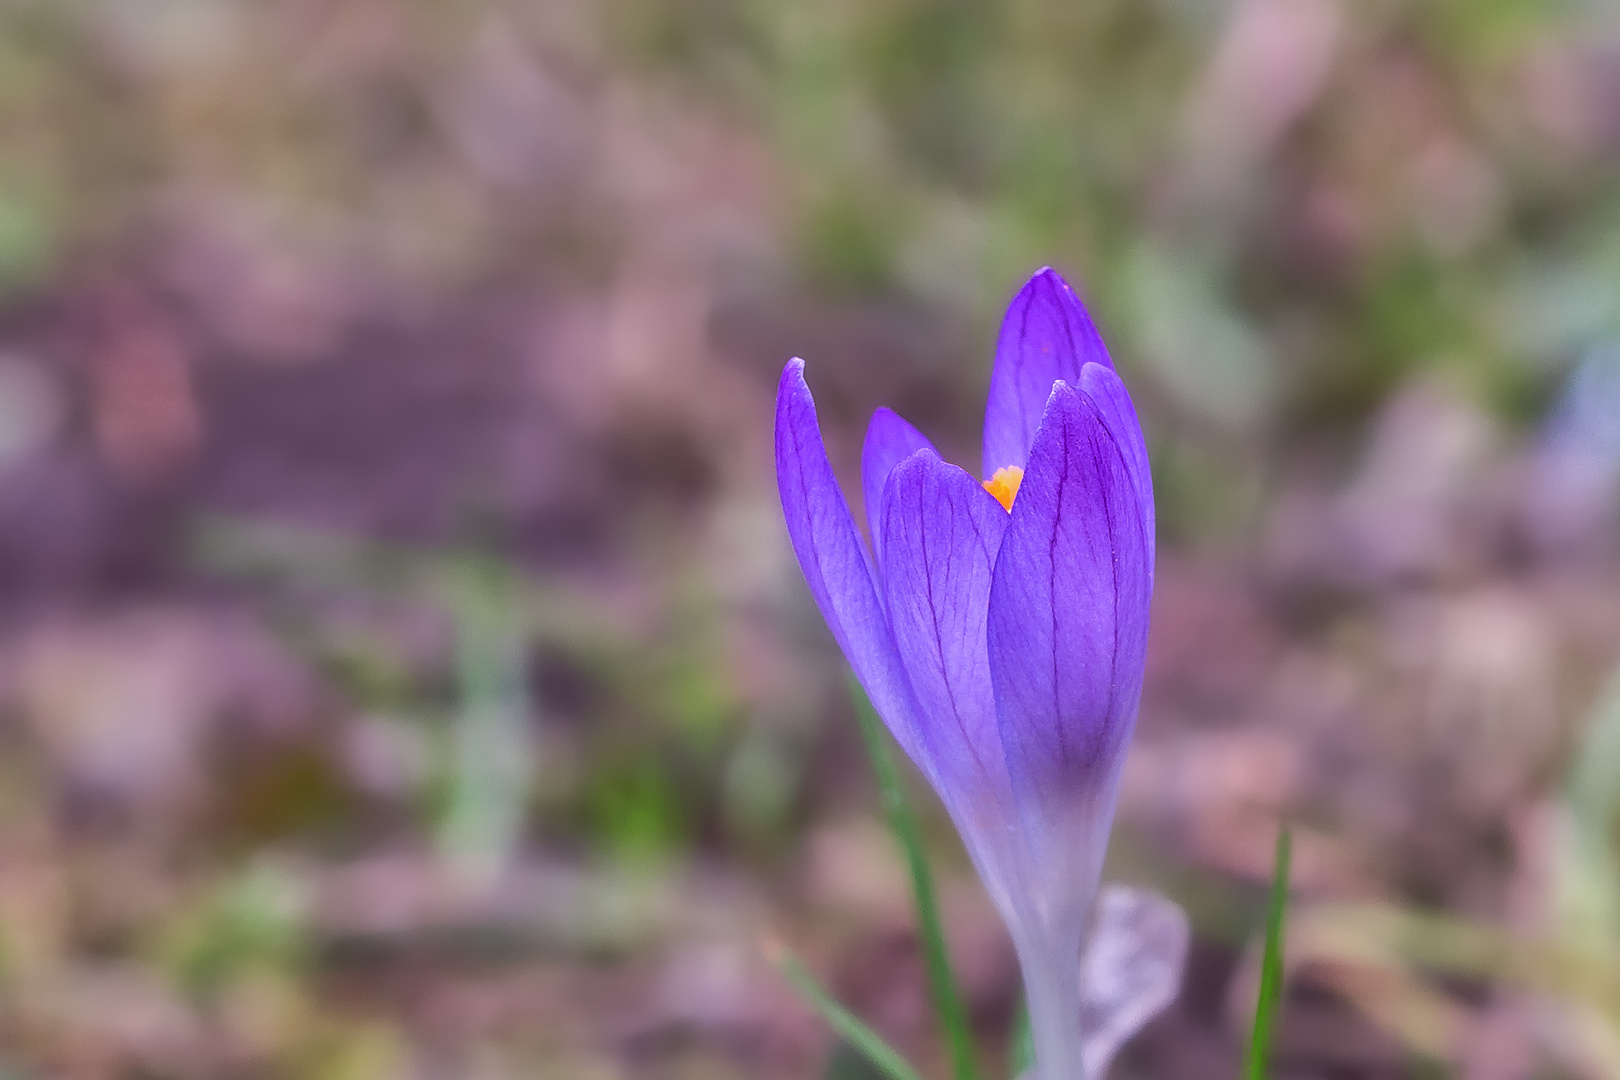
(256, 919)
(855, 1034)
(634, 798)
(1257, 1061)
(848, 1063)
(494, 753)
(953, 1019)
(947, 1002)
(1021, 1052)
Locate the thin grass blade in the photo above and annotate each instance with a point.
(868, 1043)
(1271, 962)
(941, 983)
(844, 1063)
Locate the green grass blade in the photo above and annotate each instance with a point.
(493, 766)
(844, 1063)
(941, 984)
(1022, 1051)
(1265, 1008)
(868, 1043)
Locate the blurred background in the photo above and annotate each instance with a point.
(403, 668)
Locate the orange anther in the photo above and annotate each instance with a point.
(1004, 485)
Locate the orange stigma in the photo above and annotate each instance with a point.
(1004, 485)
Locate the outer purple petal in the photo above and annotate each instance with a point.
(941, 533)
(1107, 391)
(1045, 336)
(889, 441)
(835, 561)
(1068, 631)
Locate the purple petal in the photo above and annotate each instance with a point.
(1067, 630)
(1107, 391)
(940, 536)
(835, 561)
(889, 441)
(1046, 336)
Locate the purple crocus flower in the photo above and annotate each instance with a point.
(999, 627)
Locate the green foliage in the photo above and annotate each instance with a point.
(860, 1041)
(1269, 999)
(847, 241)
(253, 921)
(1022, 1050)
(634, 809)
(857, 1035)
(493, 770)
(848, 1063)
(941, 984)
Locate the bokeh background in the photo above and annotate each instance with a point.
(403, 668)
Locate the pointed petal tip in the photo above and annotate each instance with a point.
(889, 440)
(1048, 277)
(790, 387)
(1046, 335)
(1094, 400)
(922, 458)
(836, 563)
